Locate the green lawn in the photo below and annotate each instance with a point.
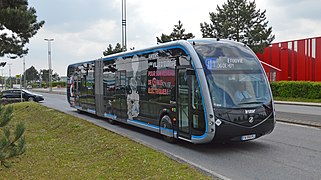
(61, 146)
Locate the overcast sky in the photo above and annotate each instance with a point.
(82, 29)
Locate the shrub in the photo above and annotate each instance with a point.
(296, 89)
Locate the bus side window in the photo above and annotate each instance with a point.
(198, 123)
(184, 60)
(196, 94)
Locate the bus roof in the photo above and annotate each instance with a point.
(182, 43)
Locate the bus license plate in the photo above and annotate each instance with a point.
(248, 137)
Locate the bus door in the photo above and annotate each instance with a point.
(120, 107)
(183, 101)
(72, 91)
(190, 110)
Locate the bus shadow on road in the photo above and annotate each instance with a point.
(227, 148)
(210, 148)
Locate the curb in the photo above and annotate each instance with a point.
(298, 103)
(304, 123)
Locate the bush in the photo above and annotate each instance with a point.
(59, 84)
(54, 84)
(296, 89)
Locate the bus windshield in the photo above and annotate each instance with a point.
(234, 76)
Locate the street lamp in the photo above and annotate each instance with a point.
(2, 79)
(9, 64)
(123, 21)
(24, 73)
(49, 63)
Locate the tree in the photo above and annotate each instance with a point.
(239, 20)
(111, 50)
(177, 34)
(44, 75)
(10, 146)
(55, 77)
(31, 74)
(18, 24)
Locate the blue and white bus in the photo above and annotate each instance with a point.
(186, 89)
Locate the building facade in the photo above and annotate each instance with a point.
(297, 60)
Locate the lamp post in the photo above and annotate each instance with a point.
(9, 64)
(49, 63)
(24, 72)
(2, 78)
(124, 37)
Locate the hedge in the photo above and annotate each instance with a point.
(54, 84)
(60, 84)
(296, 89)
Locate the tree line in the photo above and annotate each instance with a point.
(237, 20)
(32, 75)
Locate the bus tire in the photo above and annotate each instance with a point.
(166, 122)
(80, 111)
(111, 121)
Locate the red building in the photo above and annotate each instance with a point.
(297, 60)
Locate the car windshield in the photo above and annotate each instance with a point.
(234, 75)
(26, 91)
(29, 92)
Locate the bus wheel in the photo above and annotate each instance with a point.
(80, 111)
(111, 121)
(166, 129)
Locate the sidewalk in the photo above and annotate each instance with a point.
(298, 103)
(55, 90)
(300, 119)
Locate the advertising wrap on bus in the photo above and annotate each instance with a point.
(200, 91)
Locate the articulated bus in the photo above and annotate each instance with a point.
(186, 89)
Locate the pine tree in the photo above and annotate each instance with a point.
(177, 34)
(18, 23)
(31, 74)
(10, 145)
(111, 50)
(239, 20)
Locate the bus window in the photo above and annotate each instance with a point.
(198, 122)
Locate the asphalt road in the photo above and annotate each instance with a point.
(300, 114)
(290, 152)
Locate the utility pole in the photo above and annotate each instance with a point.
(124, 38)
(10, 79)
(24, 73)
(49, 63)
(2, 78)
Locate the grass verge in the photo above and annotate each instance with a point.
(61, 146)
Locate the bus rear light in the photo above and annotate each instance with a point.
(174, 119)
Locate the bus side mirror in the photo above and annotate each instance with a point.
(190, 72)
